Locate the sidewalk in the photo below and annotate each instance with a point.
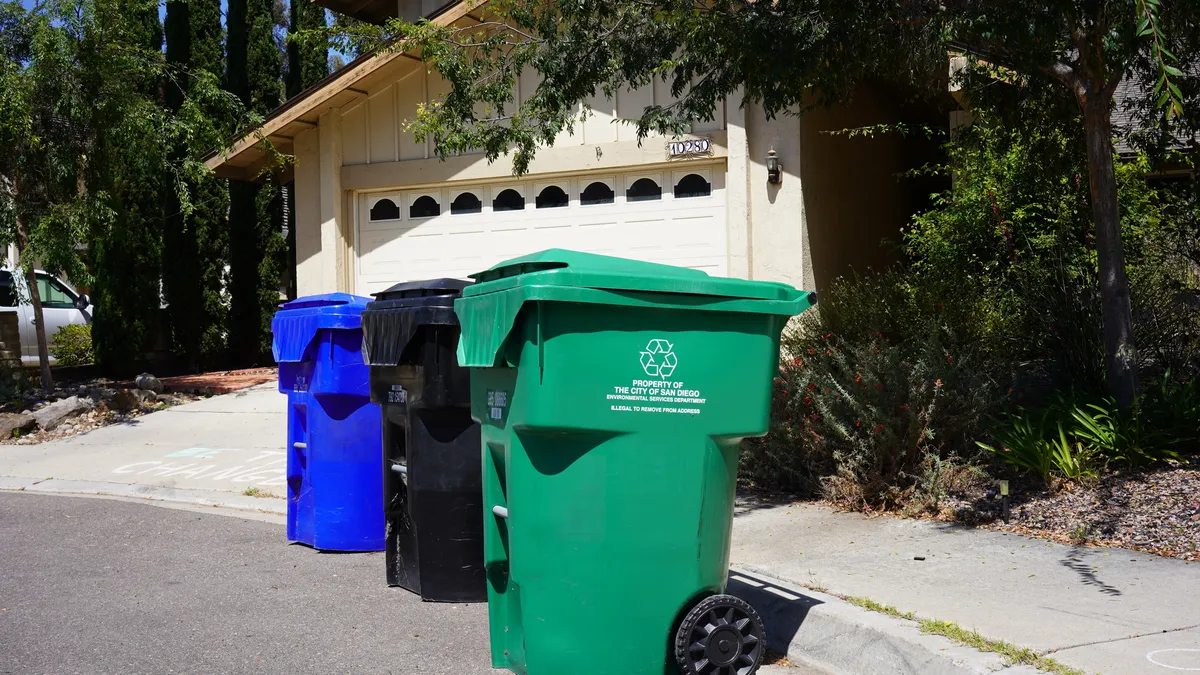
(1107, 611)
(209, 452)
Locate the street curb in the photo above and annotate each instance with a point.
(831, 635)
(213, 498)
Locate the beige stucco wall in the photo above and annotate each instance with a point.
(776, 217)
(854, 198)
(310, 276)
(323, 210)
(839, 198)
(375, 127)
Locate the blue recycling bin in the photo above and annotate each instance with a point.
(335, 484)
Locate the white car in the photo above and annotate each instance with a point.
(61, 306)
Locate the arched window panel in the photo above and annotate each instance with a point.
(385, 209)
(597, 192)
(552, 197)
(692, 185)
(424, 207)
(466, 202)
(643, 190)
(509, 200)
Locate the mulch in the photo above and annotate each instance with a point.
(218, 382)
(1153, 511)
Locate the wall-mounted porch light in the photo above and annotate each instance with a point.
(774, 171)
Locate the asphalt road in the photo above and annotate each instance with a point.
(100, 586)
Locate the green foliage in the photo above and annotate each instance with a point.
(881, 386)
(195, 235)
(1075, 438)
(125, 246)
(72, 345)
(256, 246)
(790, 56)
(257, 250)
(1042, 449)
(90, 149)
(307, 61)
(786, 56)
(1016, 232)
(1001, 275)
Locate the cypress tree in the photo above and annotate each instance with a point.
(195, 246)
(307, 64)
(125, 248)
(256, 247)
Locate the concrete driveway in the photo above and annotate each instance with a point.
(209, 452)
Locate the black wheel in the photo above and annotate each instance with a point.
(722, 635)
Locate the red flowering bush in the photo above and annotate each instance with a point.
(861, 416)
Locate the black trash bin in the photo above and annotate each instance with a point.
(432, 484)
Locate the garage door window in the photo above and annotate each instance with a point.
(424, 207)
(552, 197)
(508, 200)
(692, 185)
(596, 193)
(643, 190)
(466, 202)
(385, 209)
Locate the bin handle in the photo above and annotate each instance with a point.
(400, 468)
(300, 445)
(500, 511)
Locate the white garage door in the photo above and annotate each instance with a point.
(674, 216)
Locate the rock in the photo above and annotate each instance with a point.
(150, 382)
(124, 401)
(170, 400)
(10, 422)
(132, 399)
(52, 415)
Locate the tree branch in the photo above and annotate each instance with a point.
(1066, 74)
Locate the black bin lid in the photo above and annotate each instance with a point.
(393, 320)
(427, 292)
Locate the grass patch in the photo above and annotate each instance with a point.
(774, 658)
(1012, 654)
(867, 603)
(257, 492)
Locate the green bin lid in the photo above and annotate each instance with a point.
(487, 311)
(560, 267)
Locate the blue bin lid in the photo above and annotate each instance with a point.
(297, 322)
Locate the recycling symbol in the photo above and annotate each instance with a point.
(658, 360)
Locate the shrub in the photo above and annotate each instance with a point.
(1042, 448)
(1073, 439)
(859, 416)
(72, 345)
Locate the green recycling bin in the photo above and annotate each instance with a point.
(612, 395)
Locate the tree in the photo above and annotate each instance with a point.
(82, 127)
(308, 62)
(195, 245)
(66, 68)
(124, 168)
(255, 66)
(790, 55)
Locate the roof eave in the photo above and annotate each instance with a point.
(247, 156)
